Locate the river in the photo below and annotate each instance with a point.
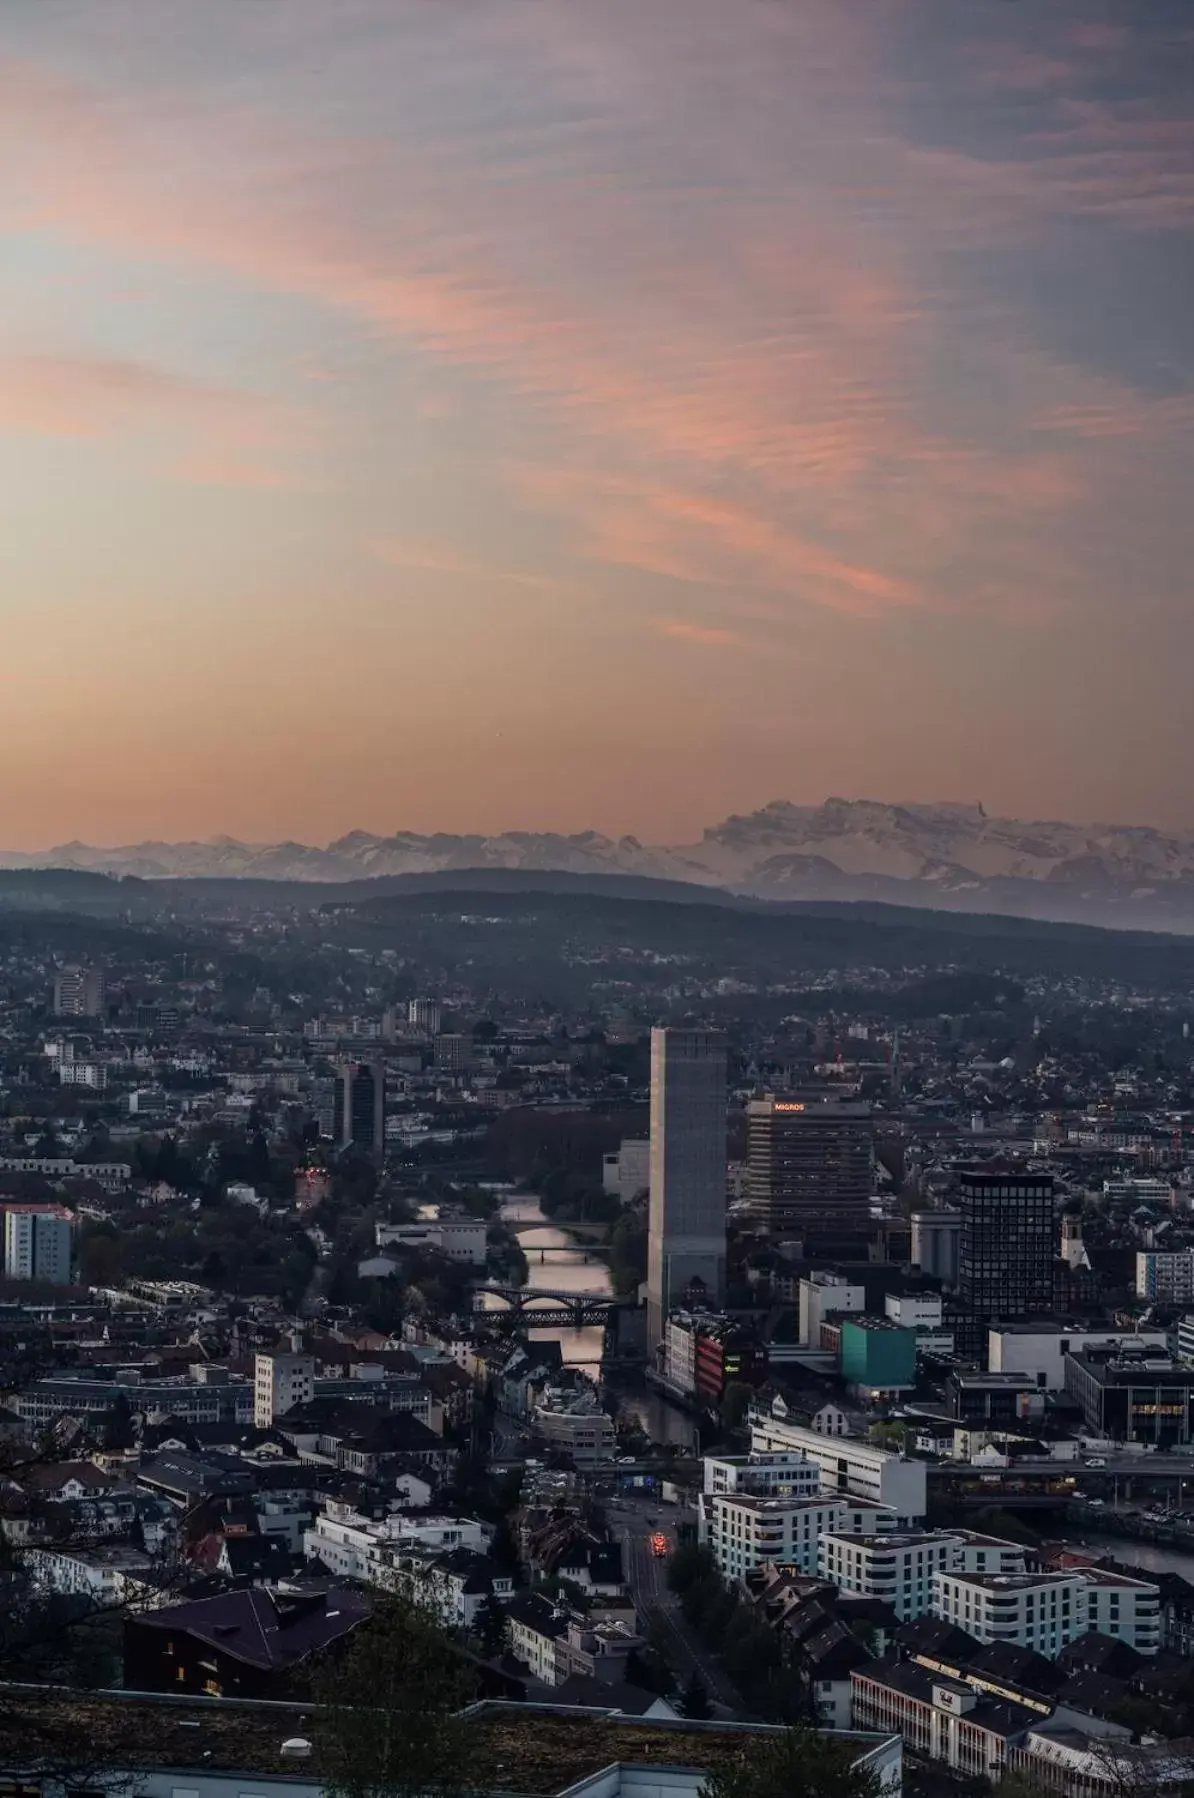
(1151, 1557)
(566, 1269)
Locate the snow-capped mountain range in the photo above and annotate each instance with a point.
(951, 855)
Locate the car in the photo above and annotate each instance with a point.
(659, 1543)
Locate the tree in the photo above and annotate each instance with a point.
(492, 1626)
(694, 1700)
(797, 1763)
(391, 1726)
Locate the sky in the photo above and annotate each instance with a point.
(564, 414)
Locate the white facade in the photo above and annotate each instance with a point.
(896, 1568)
(784, 1475)
(1045, 1611)
(92, 1074)
(106, 1576)
(463, 1239)
(588, 1436)
(37, 1243)
(1165, 1274)
(281, 1380)
(627, 1172)
(1040, 1354)
(686, 1221)
(848, 1466)
(914, 1311)
(820, 1295)
(356, 1547)
(743, 1531)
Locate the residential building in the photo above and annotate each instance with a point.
(575, 1426)
(79, 993)
(1046, 1611)
(896, 1568)
(37, 1243)
(281, 1378)
(847, 1466)
(744, 1531)
(704, 1353)
(361, 1107)
(782, 1475)
(241, 1644)
(1009, 1242)
(1165, 1274)
(91, 1074)
(355, 1547)
(809, 1165)
(686, 1235)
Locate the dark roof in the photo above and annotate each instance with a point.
(999, 1716)
(1094, 1692)
(1012, 1665)
(263, 1629)
(193, 1477)
(538, 1613)
(834, 1651)
(257, 1557)
(1097, 1653)
(942, 1641)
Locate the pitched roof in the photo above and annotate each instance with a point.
(264, 1629)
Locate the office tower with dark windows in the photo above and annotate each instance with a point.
(809, 1163)
(361, 1112)
(1009, 1242)
(686, 1235)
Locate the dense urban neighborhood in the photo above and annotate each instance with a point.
(694, 1317)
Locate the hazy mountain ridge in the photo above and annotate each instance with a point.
(948, 854)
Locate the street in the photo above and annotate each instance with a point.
(646, 1576)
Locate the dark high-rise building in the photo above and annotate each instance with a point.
(809, 1165)
(686, 1218)
(1009, 1242)
(361, 1111)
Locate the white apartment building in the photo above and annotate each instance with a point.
(744, 1531)
(91, 1074)
(1045, 1611)
(1165, 1274)
(37, 1243)
(112, 1175)
(1039, 1354)
(896, 1568)
(461, 1239)
(281, 1379)
(778, 1476)
(108, 1576)
(847, 1466)
(353, 1546)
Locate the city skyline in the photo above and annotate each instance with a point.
(580, 418)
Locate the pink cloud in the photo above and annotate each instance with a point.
(707, 635)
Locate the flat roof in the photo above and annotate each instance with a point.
(523, 1748)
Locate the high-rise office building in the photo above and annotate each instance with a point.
(1009, 1242)
(37, 1241)
(361, 1111)
(79, 993)
(686, 1237)
(426, 1015)
(809, 1164)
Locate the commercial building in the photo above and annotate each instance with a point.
(704, 1353)
(786, 1475)
(809, 1165)
(686, 1236)
(452, 1052)
(1038, 1350)
(1133, 1395)
(37, 1243)
(460, 1238)
(825, 1295)
(282, 1378)
(847, 1466)
(1045, 1611)
(361, 1107)
(1009, 1242)
(79, 993)
(878, 1357)
(425, 1015)
(937, 1244)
